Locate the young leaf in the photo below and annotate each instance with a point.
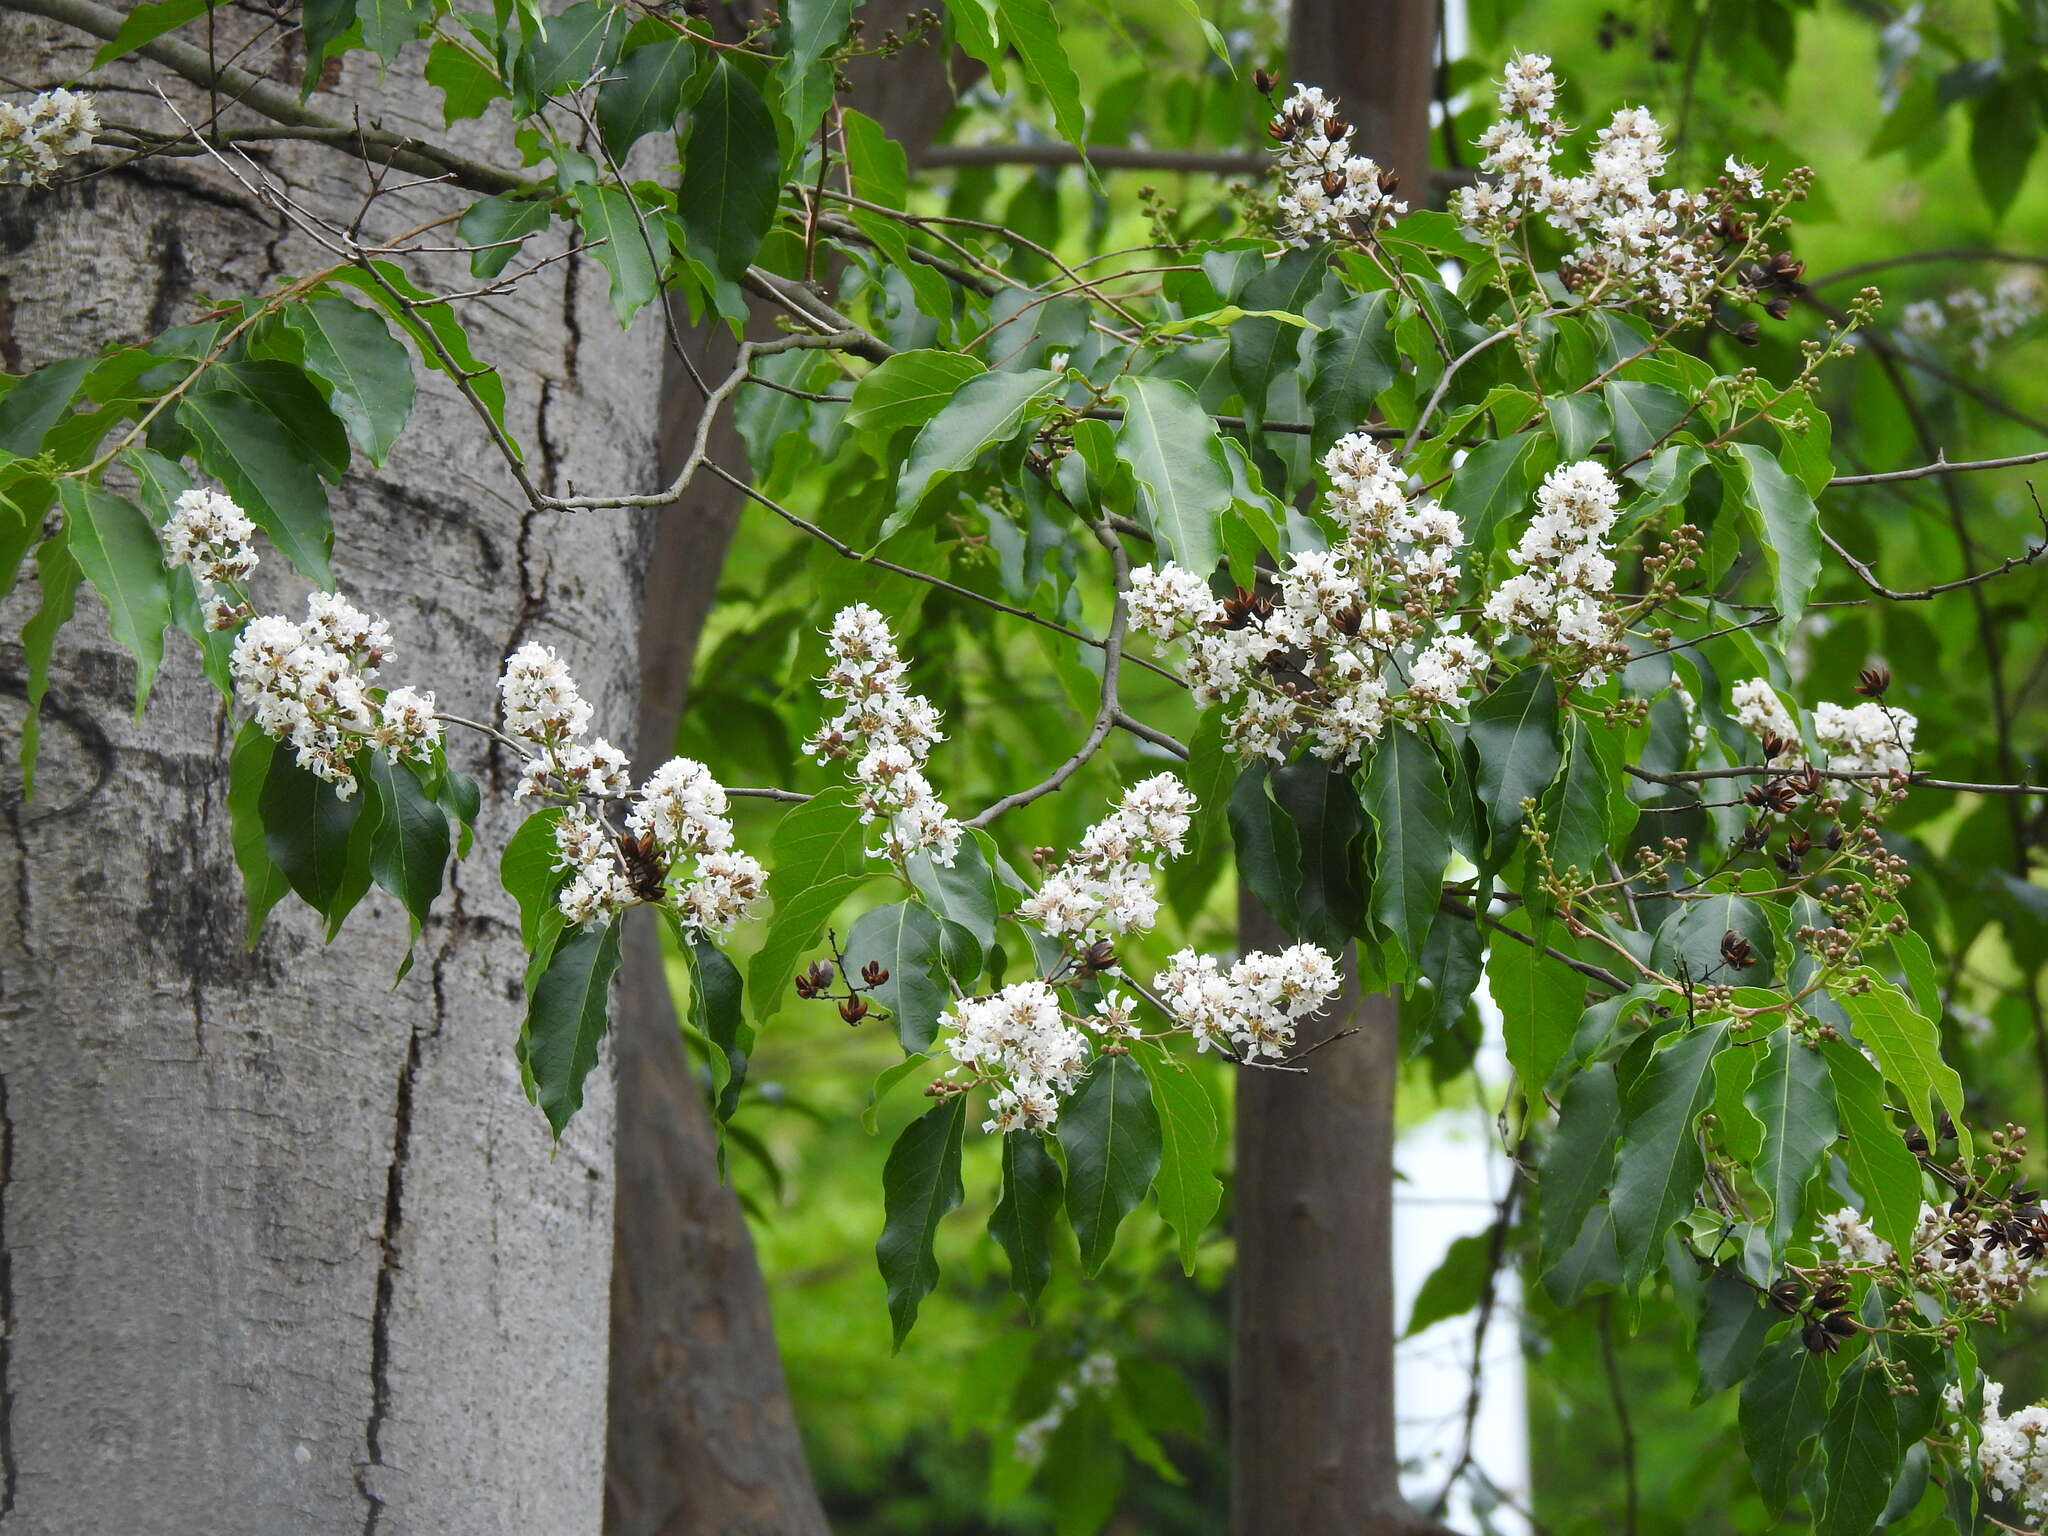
(1657, 1171)
(632, 250)
(1188, 1189)
(1029, 26)
(1794, 1102)
(1783, 1406)
(1514, 729)
(1176, 457)
(567, 1018)
(366, 368)
(388, 25)
(987, 409)
(1540, 1000)
(148, 22)
(817, 856)
(1409, 799)
(903, 939)
(885, 1082)
(732, 172)
(1109, 1130)
(1022, 1220)
(920, 1183)
(117, 549)
(1355, 361)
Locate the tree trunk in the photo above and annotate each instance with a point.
(1312, 1410)
(284, 1249)
(703, 1441)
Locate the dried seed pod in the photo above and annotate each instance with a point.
(815, 981)
(1818, 1340)
(874, 973)
(1736, 951)
(1786, 1296)
(1871, 682)
(1830, 1296)
(1264, 80)
(853, 1009)
(1841, 1325)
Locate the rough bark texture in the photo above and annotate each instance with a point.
(703, 1441)
(1312, 1362)
(283, 1249)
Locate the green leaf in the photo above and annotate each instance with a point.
(732, 173)
(498, 226)
(1885, 1172)
(366, 368)
(1859, 1446)
(250, 452)
(1176, 457)
(1109, 1130)
(306, 829)
(987, 409)
(1496, 481)
(811, 29)
(1783, 1406)
(1579, 421)
(435, 329)
(963, 895)
(148, 22)
(1268, 852)
(884, 1082)
(1540, 1000)
(1456, 1284)
(1643, 414)
(1793, 1100)
(718, 1014)
(909, 389)
(1022, 1220)
(1329, 827)
(1514, 729)
(1580, 1158)
(1657, 1171)
(263, 884)
(2003, 137)
(388, 25)
(58, 578)
(1186, 1183)
(1029, 26)
(1409, 799)
(467, 85)
(37, 403)
(632, 251)
(816, 857)
(920, 1183)
(1908, 1051)
(1688, 943)
(643, 94)
(117, 549)
(1578, 812)
(409, 850)
(1354, 361)
(1787, 528)
(567, 1018)
(1734, 1323)
(903, 938)
(527, 869)
(1260, 348)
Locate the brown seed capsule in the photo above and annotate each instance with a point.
(1778, 306)
(1096, 959)
(1830, 1296)
(1786, 1296)
(1786, 269)
(815, 981)
(853, 1009)
(1736, 951)
(1871, 682)
(1775, 745)
(873, 973)
(1841, 1325)
(1749, 333)
(1263, 81)
(1333, 183)
(1818, 1340)
(645, 872)
(1390, 182)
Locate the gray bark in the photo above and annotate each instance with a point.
(283, 1249)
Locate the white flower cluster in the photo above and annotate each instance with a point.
(1863, 738)
(1632, 236)
(1020, 1039)
(1097, 1373)
(37, 139)
(1567, 576)
(884, 735)
(1347, 643)
(210, 536)
(1979, 319)
(1255, 1006)
(678, 814)
(2013, 1454)
(1938, 1251)
(1107, 884)
(309, 684)
(544, 709)
(1329, 189)
(1853, 1239)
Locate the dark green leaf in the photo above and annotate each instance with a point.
(1188, 1189)
(252, 454)
(1496, 481)
(1580, 1158)
(58, 578)
(1260, 348)
(498, 226)
(963, 895)
(1268, 852)
(731, 173)
(1354, 360)
(148, 22)
(263, 883)
(306, 829)
(117, 549)
(908, 389)
(1643, 414)
(1885, 1173)
(1734, 1322)
(718, 1014)
(1688, 946)
(37, 403)
(1514, 730)
(1783, 1407)
(1409, 798)
(1906, 1045)
(920, 1183)
(1657, 1171)
(816, 857)
(1540, 1000)
(528, 870)
(1579, 421)
(410, 847)
(367, 369)
(987, 409)
(632, 250)
(1859, 1446)
(1109, 1130)
(811, 29)
(644, 93)
(1022, 1220)
(1456, 1284)
(567, 1018)
(903, 938)
(388, 25)
(1787, 528)
(1329, 828)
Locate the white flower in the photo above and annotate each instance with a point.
(1871, 737)
(1163, 601)
(210, 536)
(1257, 1006)
(1329, 190)
(1020, 1039)
(35, 140)
(1853, 1239)
(1760, 711)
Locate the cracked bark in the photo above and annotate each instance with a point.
(283, 1249)
(1312, 1364)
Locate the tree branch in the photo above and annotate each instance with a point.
(1601, 974)
(1940, 467)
